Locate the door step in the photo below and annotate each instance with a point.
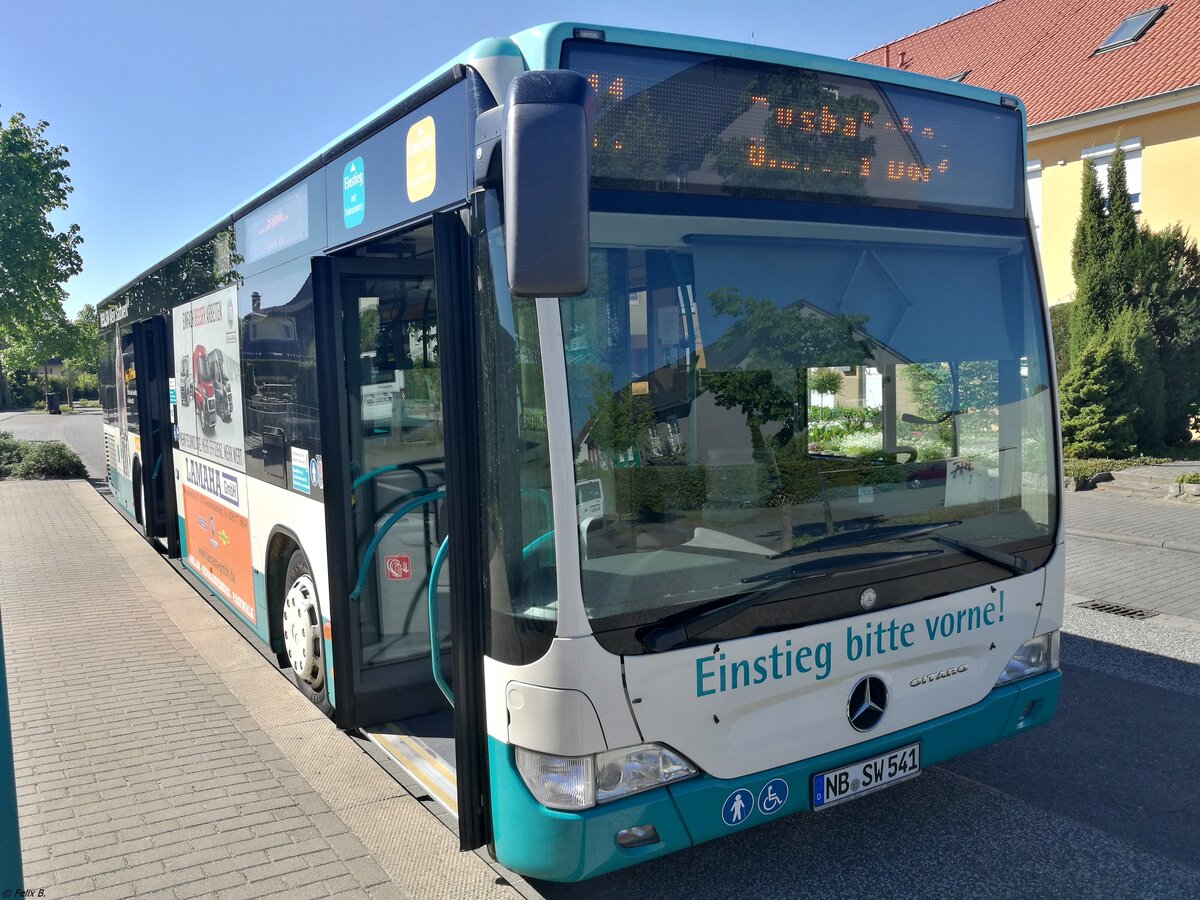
(421, 762)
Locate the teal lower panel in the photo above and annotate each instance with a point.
(122, 490)
(327, 649)
(561, 846)
(994, 718)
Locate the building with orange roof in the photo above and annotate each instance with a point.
(1090, 73)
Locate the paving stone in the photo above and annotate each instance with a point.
(172, 759)
(1116, 553)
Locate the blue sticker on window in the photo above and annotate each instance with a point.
(300, 480)
(354, 193)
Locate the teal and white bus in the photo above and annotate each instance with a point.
(641, 437)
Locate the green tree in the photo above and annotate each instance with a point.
(81, 361)
(1091, 231)
(1089, 264)
(1122, 224)
(1166, 282)
(35, 258)
(1098, 405)
(1132, 334)
(1060, 330)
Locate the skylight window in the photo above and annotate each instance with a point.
(1130, 29)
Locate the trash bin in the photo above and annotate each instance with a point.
(52, 405)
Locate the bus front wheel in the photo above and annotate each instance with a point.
(302, 632)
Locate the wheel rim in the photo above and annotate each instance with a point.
(302, 632)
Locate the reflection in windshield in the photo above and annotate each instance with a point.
(738, 397)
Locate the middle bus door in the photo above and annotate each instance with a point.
(394, 316)
(151, 345)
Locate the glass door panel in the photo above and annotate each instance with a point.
(397, 458)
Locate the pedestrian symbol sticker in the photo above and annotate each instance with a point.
(772, 796)
(738, 807)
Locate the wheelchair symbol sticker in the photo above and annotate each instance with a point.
(737, 807)
(772, 796)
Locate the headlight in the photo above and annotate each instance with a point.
(580, 782)
(1032, 658)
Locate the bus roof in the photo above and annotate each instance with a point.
(541, 48)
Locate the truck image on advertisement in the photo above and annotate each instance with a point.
(210, 387)
(186, 385)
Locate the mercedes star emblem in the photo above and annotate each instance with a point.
(867, 702)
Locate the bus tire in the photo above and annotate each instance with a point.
(301, 627)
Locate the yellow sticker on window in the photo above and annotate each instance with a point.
(422, 159)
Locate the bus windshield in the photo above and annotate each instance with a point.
(744, 390)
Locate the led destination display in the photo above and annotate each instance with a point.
(683, 122)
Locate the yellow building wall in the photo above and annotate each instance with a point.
(1170, 182)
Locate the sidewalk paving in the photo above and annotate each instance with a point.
(1135, 552)
(158, 754)
(1133, 520)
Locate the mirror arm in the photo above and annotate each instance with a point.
(489, 132)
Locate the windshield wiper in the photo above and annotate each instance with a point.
(671, 634)
(1015, 564)
(861, 537)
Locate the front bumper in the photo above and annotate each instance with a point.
(566, 846)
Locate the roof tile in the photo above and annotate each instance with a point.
(1043, 51)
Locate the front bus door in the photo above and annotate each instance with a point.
(396, 363)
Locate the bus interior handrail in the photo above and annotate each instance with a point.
(369, 553)
(435, 643)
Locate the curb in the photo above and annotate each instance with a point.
(1134, 540)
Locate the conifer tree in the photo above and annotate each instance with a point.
(1133, 335)
(1098, 408)
(1089, 262)
(1121, 220)
(1091, 231)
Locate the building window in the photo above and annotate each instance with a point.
(1130, 29)
(1102, 156)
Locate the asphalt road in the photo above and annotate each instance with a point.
(81, 430)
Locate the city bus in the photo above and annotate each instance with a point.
(640, 437)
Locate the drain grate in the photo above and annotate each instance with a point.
(1116, 609)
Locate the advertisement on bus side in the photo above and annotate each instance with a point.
(218, 532)
(208, 379)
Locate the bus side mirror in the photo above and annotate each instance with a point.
(547, 145)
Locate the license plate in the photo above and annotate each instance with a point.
(853, 781)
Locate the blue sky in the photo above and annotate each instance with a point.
(175, 113)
